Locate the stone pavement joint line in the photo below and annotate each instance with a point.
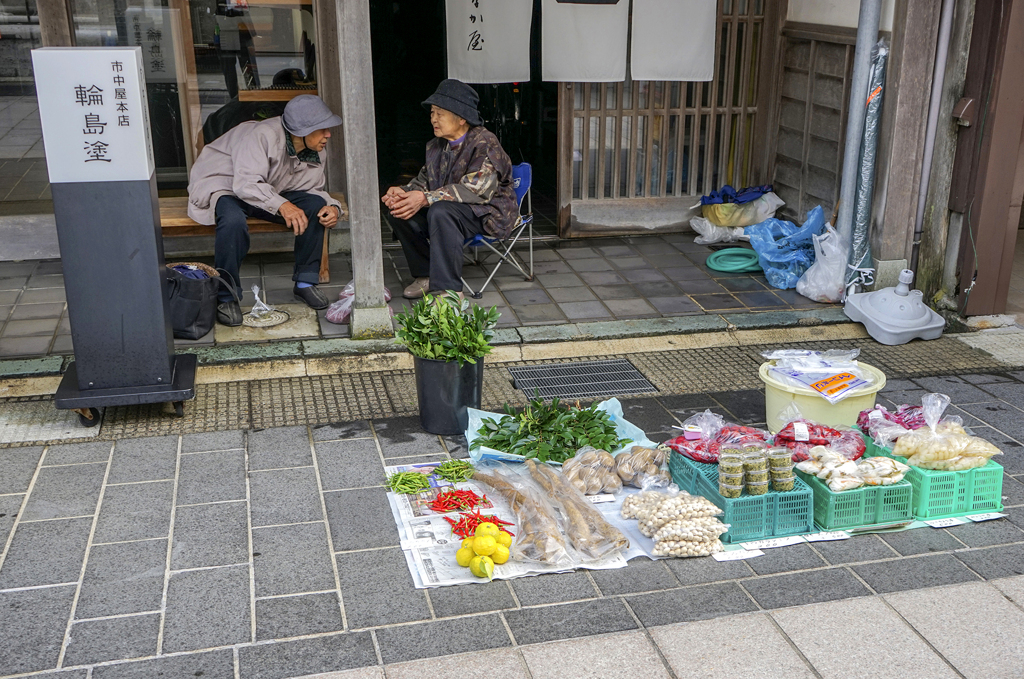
(272, 553)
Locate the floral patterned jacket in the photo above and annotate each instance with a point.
(477, 172)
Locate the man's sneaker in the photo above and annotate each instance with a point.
(417, 288)
(312, 297)
(228, 313)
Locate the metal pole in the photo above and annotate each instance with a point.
(867, 36)
(938, 79)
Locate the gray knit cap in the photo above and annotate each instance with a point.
(308, 113)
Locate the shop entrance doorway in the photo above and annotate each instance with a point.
(410, 59)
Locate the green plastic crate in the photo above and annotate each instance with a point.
(864, 506)
(938, 494)
(750, 517)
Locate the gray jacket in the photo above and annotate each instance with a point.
(251, 161)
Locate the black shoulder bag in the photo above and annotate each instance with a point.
(192, 302)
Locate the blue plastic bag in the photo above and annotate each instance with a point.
(784, 250)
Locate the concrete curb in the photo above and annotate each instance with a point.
(244, 362)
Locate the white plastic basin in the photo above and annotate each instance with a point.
(778, 396)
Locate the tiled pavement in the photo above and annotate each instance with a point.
(594, 280)
(273, 553)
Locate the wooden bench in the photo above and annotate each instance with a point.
(174, 221)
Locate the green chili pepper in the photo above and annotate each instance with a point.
(408, 482)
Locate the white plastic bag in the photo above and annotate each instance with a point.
(339, 311)
(709, 233)
(826, 279)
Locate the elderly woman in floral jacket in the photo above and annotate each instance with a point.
(464, 189)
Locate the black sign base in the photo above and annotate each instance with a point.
(182, 387)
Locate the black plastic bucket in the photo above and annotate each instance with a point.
(445, 391)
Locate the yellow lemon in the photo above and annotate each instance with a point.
(467, 543)
(484, 545)
(504, 538)
(464, 556)
(500, 554)
(482, 567)
(486, 528)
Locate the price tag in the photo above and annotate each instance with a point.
(945, 523)
(832, 535)
(977, 518)
(601, 497)
(737, 554)
(773, 542)
(800, 432)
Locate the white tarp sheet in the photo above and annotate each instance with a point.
(584, 43)
(489, 40)
(673, 39)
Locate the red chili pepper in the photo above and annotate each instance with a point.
(466, 526)
(456, 500)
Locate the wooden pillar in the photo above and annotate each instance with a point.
(370, 315)
(328, 78)
(55, 27)
(931, 262)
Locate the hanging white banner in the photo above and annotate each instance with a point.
(673, 39)
(489, 40)
(584, 42)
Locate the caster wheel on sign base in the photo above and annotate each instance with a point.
(89, 417)
(179, 409)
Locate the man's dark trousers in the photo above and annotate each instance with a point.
(432, 241)
(231, 242)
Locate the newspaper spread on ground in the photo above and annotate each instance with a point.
(429, 546)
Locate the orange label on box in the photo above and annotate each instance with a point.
(834, 384)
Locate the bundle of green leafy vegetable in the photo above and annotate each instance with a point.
(549, 432)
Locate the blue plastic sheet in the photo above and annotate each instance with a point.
(784, 250)
(728, 194)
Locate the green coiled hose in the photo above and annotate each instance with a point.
(734, 260)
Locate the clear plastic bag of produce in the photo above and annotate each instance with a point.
(711, 233)
(588, 531)
(715, 434)
(800, 435)
(592, 471)
(538, 536)
(843, 474)
(643, 467)
(884, 426)
(784, 250)
(944, 444)
(681, 524)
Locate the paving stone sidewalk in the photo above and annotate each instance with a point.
(273, 554)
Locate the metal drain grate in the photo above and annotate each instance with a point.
(581, 379)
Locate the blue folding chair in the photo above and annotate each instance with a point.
(522, 179)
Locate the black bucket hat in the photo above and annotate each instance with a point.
(457, 97)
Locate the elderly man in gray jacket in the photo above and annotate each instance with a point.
(273, 170)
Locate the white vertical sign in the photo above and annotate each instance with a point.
(489, 40)
(94, 113)
(673, 40)
(584, 43)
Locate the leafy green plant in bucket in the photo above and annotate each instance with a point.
(446, 328)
